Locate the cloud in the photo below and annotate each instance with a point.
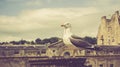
(51, 13)
(45, 22)
(41, 22)
(39, 17)
(34, 3)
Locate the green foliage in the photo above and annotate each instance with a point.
(91, 40)
(51, 40)
(47, 40)
(38, 41)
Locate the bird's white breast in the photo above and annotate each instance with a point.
(66, 39)
(66, 36)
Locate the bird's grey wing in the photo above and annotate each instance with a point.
(76, 37)
(79, 43)
(58, 44)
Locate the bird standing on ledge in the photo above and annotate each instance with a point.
(70, 39)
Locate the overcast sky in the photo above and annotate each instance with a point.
(31, 19)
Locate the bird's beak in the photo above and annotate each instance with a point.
(62, 25)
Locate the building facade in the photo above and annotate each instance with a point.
(22, 50)
(109, 30)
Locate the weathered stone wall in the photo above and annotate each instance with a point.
(103, 61)
(12, 63)
(109, 30)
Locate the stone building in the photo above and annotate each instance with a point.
(108, 43)
(109, 30)
(60, 49)
(22, 50)
(105, 56)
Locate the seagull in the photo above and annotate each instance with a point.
(70, 39)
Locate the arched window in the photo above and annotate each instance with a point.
(66, 54)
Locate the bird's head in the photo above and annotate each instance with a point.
(66, 25)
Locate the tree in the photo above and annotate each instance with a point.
(13, 42)
(38, 41)
(91, 40)
(32, 42)
(46, 40)
(22, 41)
(54, 39)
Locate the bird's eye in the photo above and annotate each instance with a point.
(67, 23)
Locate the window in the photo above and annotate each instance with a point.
(53, 50)
(102, 39)
(43, 51)
(67, 54)
(16, 52)
(88, 51)
(101, 65)
(109, 29)
(113, 40)
(111, 65)
(38, 52)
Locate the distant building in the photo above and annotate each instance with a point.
(22, 50)
(109, 30)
